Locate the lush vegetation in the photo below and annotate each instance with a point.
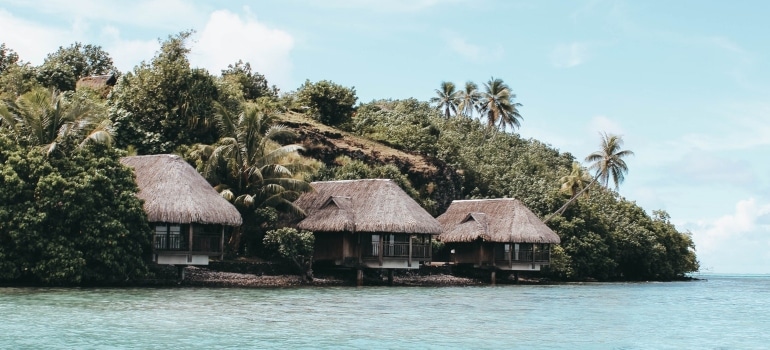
(68, 212)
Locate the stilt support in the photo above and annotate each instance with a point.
(493, 278)
(359, 277)
(390, 277)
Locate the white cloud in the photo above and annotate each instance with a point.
(228, 37)
(32, 41)
(470, 51)
(601, 124)
(569, 55)
(734, 242)
(126, 54)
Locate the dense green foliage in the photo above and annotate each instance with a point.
(294, 245)
(68, 212)
(164, 104)
(251, 169)
(327, 102)
(70, 217)
(603, 235)
(62, 69)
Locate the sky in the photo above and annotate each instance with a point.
(685, 83)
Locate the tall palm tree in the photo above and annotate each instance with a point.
(249, 168)
(607, 162)
(497, 105)
(469, 99)
(44, 118)
(447, 99)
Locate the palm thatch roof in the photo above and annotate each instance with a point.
(371, 205)
(493, 220)
(97, 81)
(174, 192)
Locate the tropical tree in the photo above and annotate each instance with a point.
(577, 180)
(62, 69)
(497, 105)
(607, 162)
(326, 101)
(43, 117)
(164, 104)
(249, 167)
(469, 99)
(293, 245)
(447, 99)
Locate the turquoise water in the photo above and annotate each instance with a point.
(723, 312)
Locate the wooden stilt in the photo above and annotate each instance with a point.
(390, 277)
(516, 276)
(359, 277)
(493, 278)
(180, 272)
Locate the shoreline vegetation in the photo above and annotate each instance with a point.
(70, 214)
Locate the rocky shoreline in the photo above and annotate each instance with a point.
(204, 277)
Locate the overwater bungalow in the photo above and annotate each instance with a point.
(369, 223)
(187, 215)
(496, 234)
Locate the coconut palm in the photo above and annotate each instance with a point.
(447, 99)
(469, 99)
(576, 181)
(497, 105)
(44, 118)
(250, 169)
(607, 162)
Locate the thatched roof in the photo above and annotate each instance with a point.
(97, 81)
(493, 220)
(173, 191)
(372, 205)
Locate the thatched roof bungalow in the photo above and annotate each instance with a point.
(188, 216)
(496, 233)
(99, 83)
(368, 223)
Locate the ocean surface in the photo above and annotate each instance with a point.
(719, 312)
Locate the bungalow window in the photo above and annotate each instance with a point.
(168, 237)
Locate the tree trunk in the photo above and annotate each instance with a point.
(564, 207)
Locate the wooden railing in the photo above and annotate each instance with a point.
(525, 256)
(399, 250)
(201, 243)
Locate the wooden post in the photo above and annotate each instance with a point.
(222, 244)
(409, 262)
(382, 247)
(180, 272)
(359, 277)
(390, 277)
(190, 236)
(534, 251)
(493, 278)
(516, 276)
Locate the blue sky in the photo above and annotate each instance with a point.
(687, 83)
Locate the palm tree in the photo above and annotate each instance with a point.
(576, 181)
(44, 118)
(608, 163)
(469, 99)
(248, 166)
(497, 105)
(446, 99)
